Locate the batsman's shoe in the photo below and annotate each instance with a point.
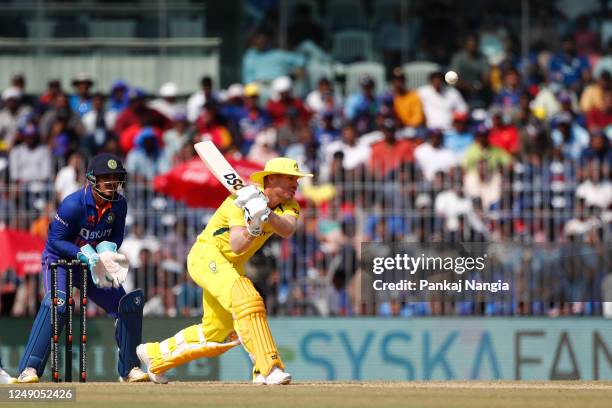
(28, 376)
(141, 352)
(5, 378)
(258, 378)
(278, 377)
(135, 375)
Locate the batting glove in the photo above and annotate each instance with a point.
(245, 194)
(256, 212)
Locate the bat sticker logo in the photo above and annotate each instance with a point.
(233, 180)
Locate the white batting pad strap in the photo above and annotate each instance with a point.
(164, 348)
(179, 338)
(201, 335)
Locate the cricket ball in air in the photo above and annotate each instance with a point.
(451, 77)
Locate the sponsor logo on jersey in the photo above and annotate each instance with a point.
(59, 219)
(213, 266)
(95, 235)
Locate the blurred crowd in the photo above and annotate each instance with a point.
(518, 150)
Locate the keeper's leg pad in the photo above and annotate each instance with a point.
(129, 331)
(186, 345)
(252, 325)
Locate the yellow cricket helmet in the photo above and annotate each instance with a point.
(278, 165)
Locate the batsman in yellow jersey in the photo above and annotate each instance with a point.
(234, 312)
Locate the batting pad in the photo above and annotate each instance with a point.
(252, 326)
(185, 346)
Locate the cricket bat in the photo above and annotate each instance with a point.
(219, 166)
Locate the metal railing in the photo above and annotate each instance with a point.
(317, 271)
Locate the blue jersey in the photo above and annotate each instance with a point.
(79, 221)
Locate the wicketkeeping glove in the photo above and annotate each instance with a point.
(245, 194)
(115, 264)
(97, 270)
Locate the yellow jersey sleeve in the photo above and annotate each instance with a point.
(227, 216)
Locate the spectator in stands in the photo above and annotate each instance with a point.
(210, 125)
(568, 68)
(29, 161)
(177, 136)
(432, 157)
(60, 111)
(406, 103)
(63, 139)
(481, 149)
(569, 137)
(283, 101)
(326, 130)
(233, 111)
(460, 137)
(545, 103)
(136, 116)
(484, 184)
(568, 104)
(263, 148)
(355, 153)
(452, 205)
(94, 123)
(502, 134)
(261, 63)
(473, 69)
(80, 102)
(508, 97)
(592, 96)
(166, 103)
(69, 178)
(256, 119)
(45, 101)
(118, 101)
(390, 153)
(595, 190)
(40, 226)
(324, 98)
(440, 102)
(147, 159)
(601, 118)
(10, 117)
(534, 138)
(205, 94)
(600, 149)
(605, 62)
(580, 225)
(361, 107)
(305, 151)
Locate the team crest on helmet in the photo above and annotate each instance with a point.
(112, 164)
(213, 266)
(110, 218)
(295, 166)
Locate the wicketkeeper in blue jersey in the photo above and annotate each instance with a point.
(89, 226)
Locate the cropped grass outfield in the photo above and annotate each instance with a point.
(468, 394)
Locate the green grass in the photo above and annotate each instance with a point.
(337, 394)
